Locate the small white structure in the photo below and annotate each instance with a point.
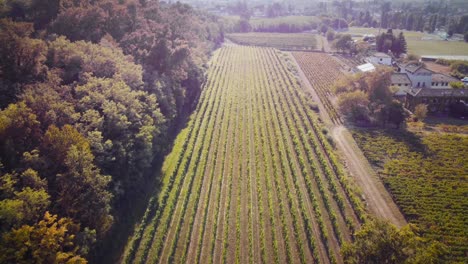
(368, 67)
(380, 58)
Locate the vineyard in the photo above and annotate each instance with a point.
(285, 41)
(428, 177)
(322, 71)
(252, 178)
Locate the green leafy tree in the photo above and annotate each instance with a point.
(354, 105)
(343, 43)
(81, 189)
(19, 132)
(381, 242)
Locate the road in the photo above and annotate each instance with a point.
(378, 200)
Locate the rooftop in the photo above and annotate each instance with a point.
(368, 67)
(381, 55)
(439, 77)
(400, 78)
(427, 92)
(413, 68)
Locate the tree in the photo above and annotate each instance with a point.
(81, 188)
(52, 240)
(354, 105)
(457, 85)
(343, 42)
(378, 85)
(381, 242)
(19, 132)
(244, 25)
(392, 113)
(420, 111)
(402, 45)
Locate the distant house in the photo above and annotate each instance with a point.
(380, 58)
(437, 100)
(440, 81)
(420, 77)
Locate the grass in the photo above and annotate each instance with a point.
(294, 41)
(417, 44)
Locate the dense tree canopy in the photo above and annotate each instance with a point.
(89, 92)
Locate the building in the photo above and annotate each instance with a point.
(368, 67)
(400, 80)
(437, 100)
(380, 58)
(403, 83)
(442, 81)
(420, 77)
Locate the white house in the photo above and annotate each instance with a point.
(420, 77)
(380, 58)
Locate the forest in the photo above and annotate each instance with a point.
(93, 92)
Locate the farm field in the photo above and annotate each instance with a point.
(252, 178)
(322, 71)
(420, 43)
(289, 41)
(427, 174)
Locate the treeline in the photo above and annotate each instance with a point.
(427, 17)
(88, 93)
(294, 24)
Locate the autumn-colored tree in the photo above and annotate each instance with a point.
(49, 241)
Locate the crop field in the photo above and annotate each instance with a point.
(322, 71)
(252, 178)
(289, 41)
(427, 174)
(420, 43)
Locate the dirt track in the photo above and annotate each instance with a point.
(378, 200)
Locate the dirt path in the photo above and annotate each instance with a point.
(378, 200)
